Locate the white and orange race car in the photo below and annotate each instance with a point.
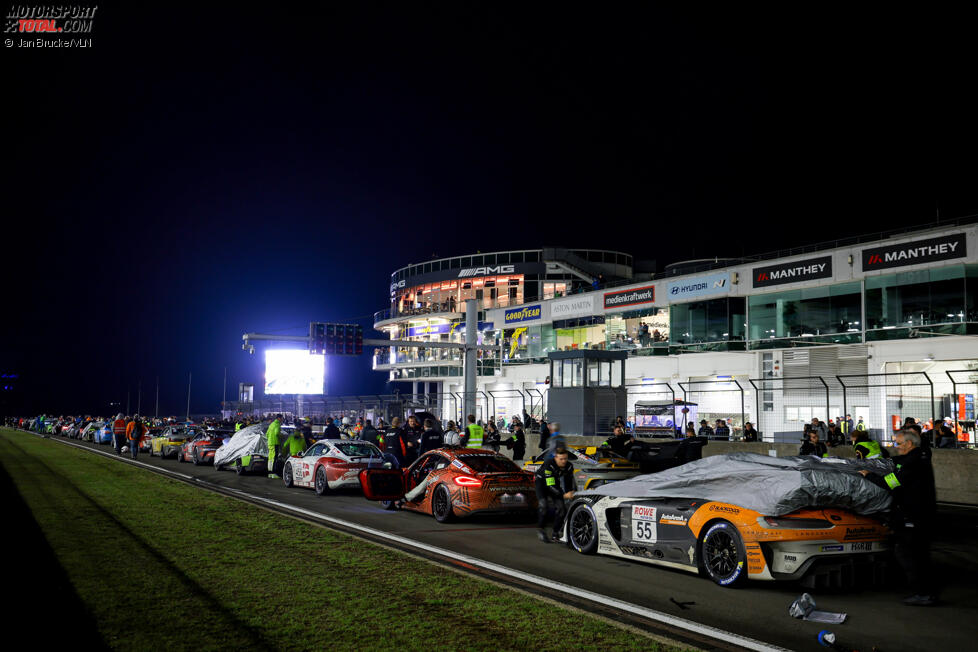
(332, 464)
(718, 536)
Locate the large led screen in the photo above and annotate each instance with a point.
(293, 371)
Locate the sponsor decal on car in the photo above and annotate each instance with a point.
(860, 532)
(643, 524)
(833, 548)
(724, 508)
(673, 519)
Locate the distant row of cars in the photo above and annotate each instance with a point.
(726, 542)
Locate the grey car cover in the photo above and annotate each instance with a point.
(773, 486)
(247, 441)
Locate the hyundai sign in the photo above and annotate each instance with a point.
(520, 315)
(698, 286)
(912, 253)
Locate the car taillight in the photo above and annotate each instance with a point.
(467, 481)
(781, 523)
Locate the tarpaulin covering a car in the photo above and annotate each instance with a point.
(247, 441)
(773, 486)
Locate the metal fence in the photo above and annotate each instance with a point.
(785, 405)
(887, 400)
(718, 399)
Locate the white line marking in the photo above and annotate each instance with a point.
(650, 614)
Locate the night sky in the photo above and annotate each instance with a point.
(198, 173)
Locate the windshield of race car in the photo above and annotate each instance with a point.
(488, 463)
(359, 449)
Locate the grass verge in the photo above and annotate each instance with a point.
(160, 564)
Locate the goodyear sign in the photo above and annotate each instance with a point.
(430, 329)
(520, 315)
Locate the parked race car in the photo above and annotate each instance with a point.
(246, 451)
(200, 448)
(730, 540)
(593, 466)
(104, 433)
(146, 441)
(460, 482)
(88, 432)
(332, 464)
(169, 441)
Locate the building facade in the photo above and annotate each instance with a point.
(880, 323)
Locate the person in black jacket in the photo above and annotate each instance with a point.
(544, 434)
(395, 444)
(491, 438)
(554, 481)
(517, 441)
(369, 433)
(331, 431)
(750, 434)
(620, 442)
(813, 446)
(430, 438)
(915, 506)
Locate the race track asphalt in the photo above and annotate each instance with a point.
(877, 619)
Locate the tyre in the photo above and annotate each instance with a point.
(582, 530)
(441, 504)
(287, 476)
(722, 554)
(196, 457)
(238, 468)
(180, 455)
(389, 505)
(322, 486)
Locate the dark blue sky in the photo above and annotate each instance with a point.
(202, 173)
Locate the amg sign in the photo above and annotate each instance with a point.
(801, 270)
(911, 253)
(487, 271)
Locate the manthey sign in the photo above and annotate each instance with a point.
(521, 315)
(582, 306)
(946, 247)
(793, 272)
(698, 286)
(627, 298)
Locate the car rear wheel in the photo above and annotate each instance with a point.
(180, 455)
(389, 505)
(238, 468)
(722, 554)
(582, 530)
(441, 504)
(196, 457)
(322, 486)
(287, 476)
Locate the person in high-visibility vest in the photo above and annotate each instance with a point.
(237, 426)
(473, 433)
(295, 444)
(271, 435)
(914, 511)
(118, 433)
(860, 425)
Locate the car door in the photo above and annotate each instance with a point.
(304, 469)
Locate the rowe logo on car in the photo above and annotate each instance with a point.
(802, 270)
(919, 251)
(486, 271)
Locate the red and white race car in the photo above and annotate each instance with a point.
(332, 464)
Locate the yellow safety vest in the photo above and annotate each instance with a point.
(475, 435)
